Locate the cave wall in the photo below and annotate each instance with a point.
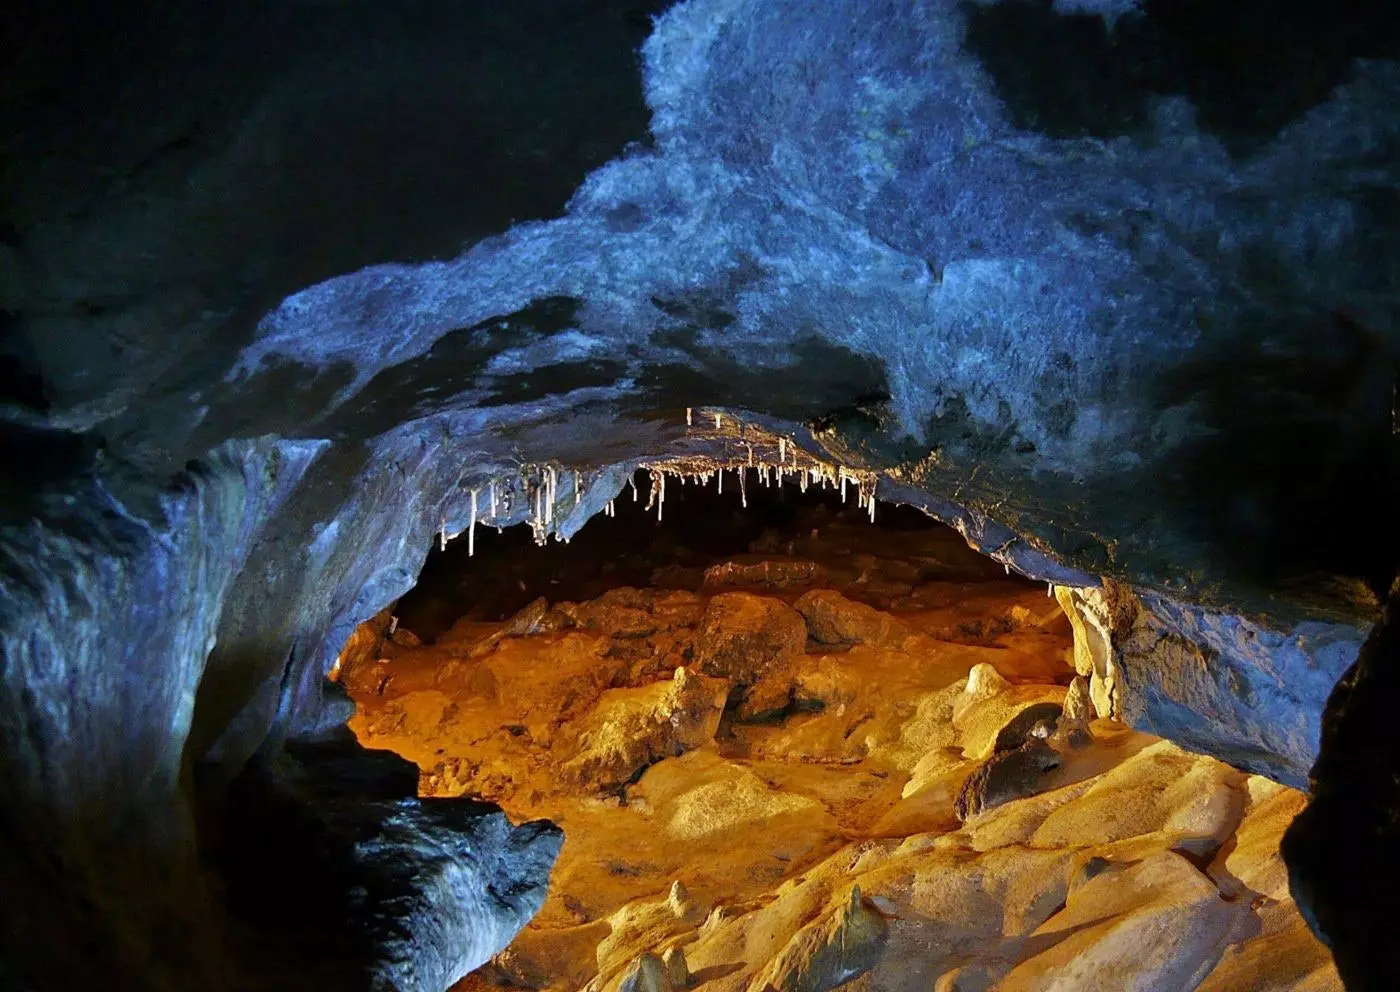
(1154, 347)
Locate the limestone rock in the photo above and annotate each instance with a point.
(983, 682)
(647, 974)
(1158, 924)
(766, 574)
(676, 968)
(1006, 776)
(834, 619)
(1077, 706)
(989, 705)
(829, 952)
(742, 637)
(631, 728)
(1195, 801)
(1034, 722)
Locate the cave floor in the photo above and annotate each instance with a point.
(732, 751)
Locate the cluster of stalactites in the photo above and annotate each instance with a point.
(790, 467)
(775, 461)
(537, 485)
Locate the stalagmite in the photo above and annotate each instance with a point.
(689, 421)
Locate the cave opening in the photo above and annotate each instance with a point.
(787, 737)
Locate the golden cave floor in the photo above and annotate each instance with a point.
(805, 837)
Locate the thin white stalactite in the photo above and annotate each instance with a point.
(493, 499)
(720, 475)
(743, 492)
(750, 447)
(471, 529)
(632, 481)
(442, 535)
(782, 450)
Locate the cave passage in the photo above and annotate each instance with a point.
(792, 747)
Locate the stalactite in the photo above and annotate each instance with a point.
(471, 529)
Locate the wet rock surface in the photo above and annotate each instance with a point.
(945, 812)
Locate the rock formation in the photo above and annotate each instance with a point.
(292, 292)
(927, 822)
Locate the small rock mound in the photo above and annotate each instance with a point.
(829, 952)
(1006, 776)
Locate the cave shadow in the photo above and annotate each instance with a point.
(1294, 476)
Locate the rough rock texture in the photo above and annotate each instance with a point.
(371, 888)
(287, 290)
(863, 845)
(630, 729)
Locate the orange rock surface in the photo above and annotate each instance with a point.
(757, 784)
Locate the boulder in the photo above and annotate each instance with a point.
(630, 729)
(743, 637)
(834, 619)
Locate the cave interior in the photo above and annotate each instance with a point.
(716, 494)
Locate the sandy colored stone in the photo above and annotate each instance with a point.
(631, 728)
(1157, 924)
(742, 637)
(1194, 801)
(541, 958)
(833, 619)
(829, 952)
(647, 974)
(730, 867)
(989, 704)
